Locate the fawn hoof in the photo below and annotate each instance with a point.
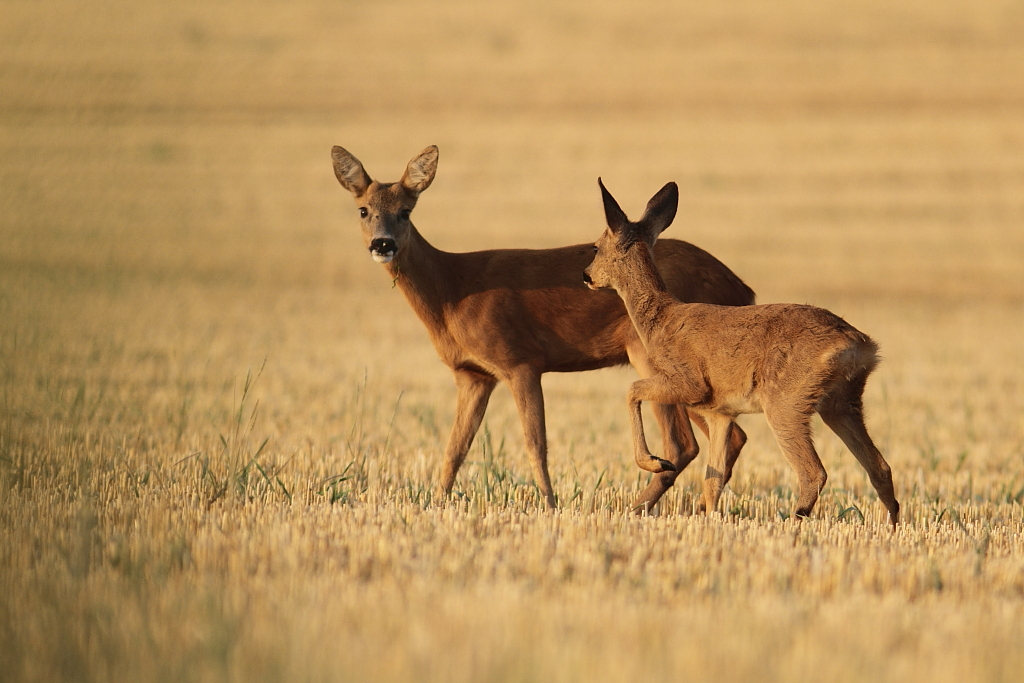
(656, 465)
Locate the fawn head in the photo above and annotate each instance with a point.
(384, 208)
(623, 235)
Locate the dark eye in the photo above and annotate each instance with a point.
(596, 249)
(363, 213)
(404, 214)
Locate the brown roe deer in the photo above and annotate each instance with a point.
(785, 360)
(511, 315)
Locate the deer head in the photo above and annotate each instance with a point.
(384, 208)
(623, 235)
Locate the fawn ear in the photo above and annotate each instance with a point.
(420, 172)
(350, 172)
(612, 211)
(660, 213)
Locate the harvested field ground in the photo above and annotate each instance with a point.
(221, 428)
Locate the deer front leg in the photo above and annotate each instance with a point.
(734, 444)
(679, 446)
(474, 390)
(719, 428)
(645, 390)
(529, 397)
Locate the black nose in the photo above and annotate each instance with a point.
(383, 245)
(586, 278)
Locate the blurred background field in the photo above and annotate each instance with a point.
(220, 426)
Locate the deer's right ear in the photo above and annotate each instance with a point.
(420, 172)
(349, 171)
(613, 213)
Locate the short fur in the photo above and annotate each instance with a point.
(785, 360)
(513, 314)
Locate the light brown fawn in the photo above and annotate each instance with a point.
(785, 360)
(514, 314)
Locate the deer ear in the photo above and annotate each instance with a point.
(420, 171)
(613, 213)
(349, 171)
(660, 213)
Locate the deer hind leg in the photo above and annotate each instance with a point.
(719, 429)
(792, 429)
(737, 438)
(679, 446)
(845, 417)
(529, 397)
(474, 391)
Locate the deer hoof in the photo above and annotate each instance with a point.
(657, 465)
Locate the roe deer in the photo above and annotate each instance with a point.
(785, 360)
(514, 314)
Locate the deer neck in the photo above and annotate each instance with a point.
(423, 275)
(642, 290)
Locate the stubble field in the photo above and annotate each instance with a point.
(221, 428)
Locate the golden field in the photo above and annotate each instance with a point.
(221, 428)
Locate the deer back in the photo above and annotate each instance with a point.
(510, 306)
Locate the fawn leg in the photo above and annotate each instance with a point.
(849, 426)
(734, 444)
(792, 429)
(719, 428)
(678, 443)
(649, 389)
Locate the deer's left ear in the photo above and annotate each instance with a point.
(420, 171)
(660, 213)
